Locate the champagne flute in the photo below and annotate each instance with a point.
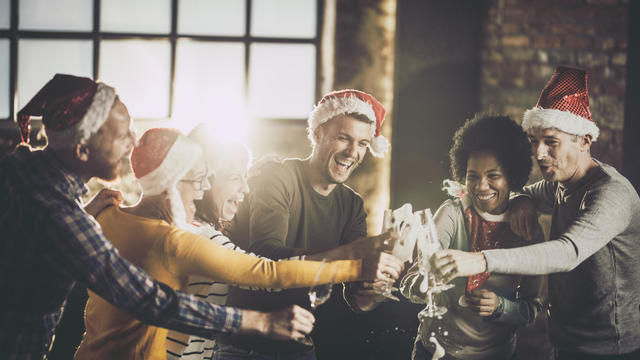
(428, 246)
(389, 223)
(318, 295)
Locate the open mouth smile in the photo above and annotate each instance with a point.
(344, 164)
(486, 197)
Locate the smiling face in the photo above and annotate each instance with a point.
(486, 183)
(228, 187)
(111, 144)
(192, 187)
(341, 144)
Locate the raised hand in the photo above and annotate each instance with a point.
(290, 323)
(450, 264)
(382, 267)
(104, 199)
(366, 297)
(372, 245)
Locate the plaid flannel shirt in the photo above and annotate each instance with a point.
(48, 242)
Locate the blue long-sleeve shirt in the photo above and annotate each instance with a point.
(48, 242)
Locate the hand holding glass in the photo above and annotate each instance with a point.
(429, 245)
(389, 223)
(318, 295)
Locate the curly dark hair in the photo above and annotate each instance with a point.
(498, 134)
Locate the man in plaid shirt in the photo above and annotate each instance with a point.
(49, 242)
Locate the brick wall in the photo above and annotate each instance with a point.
(525, 40)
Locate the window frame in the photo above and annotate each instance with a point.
(13, 34)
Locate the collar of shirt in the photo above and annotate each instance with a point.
(71, 184)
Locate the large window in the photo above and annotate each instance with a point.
(185, 60)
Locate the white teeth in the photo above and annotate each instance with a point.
(485, 197)
(343, 163)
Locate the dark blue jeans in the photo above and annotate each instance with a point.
(228, 352)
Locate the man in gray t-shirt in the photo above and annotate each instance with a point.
(301, 207)
(594, 252)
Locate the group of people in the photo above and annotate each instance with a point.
(211, 264)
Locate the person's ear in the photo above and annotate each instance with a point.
(585, 142)
(82, 152)
(317, 133)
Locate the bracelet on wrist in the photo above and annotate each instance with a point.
(498, 311)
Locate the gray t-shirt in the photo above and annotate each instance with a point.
(282, 217)
(593, 258)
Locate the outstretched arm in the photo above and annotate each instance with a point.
(191, 254)
(87, 256)
(81, 251)
(604, 213)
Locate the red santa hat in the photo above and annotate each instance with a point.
(352, 102)
(160, 159)
(564, 105)
(72, 108)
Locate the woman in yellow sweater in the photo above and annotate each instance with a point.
(172, 174)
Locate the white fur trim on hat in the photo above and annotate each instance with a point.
(562, 120)
(335, 106)
(176, 164)
(379, 146)
(90, 123)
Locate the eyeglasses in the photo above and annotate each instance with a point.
(198, 184)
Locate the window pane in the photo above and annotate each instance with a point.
(5, 12)
(209, 84)
(67, 15)
(139, 70)
(39, 60)
(136, 16)
(211, 17)
(4, 78)
(282, 80)
(283, 18)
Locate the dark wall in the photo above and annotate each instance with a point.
(524, 41)
(631, 147)
(437, 76)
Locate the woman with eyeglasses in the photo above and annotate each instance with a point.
(155, 235)
(228, 162)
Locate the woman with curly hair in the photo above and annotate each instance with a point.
(491, 156)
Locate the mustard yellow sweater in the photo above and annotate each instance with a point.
(171, 255)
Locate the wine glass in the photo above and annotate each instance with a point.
(318, 295)
(428, 245)
(392, 224)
